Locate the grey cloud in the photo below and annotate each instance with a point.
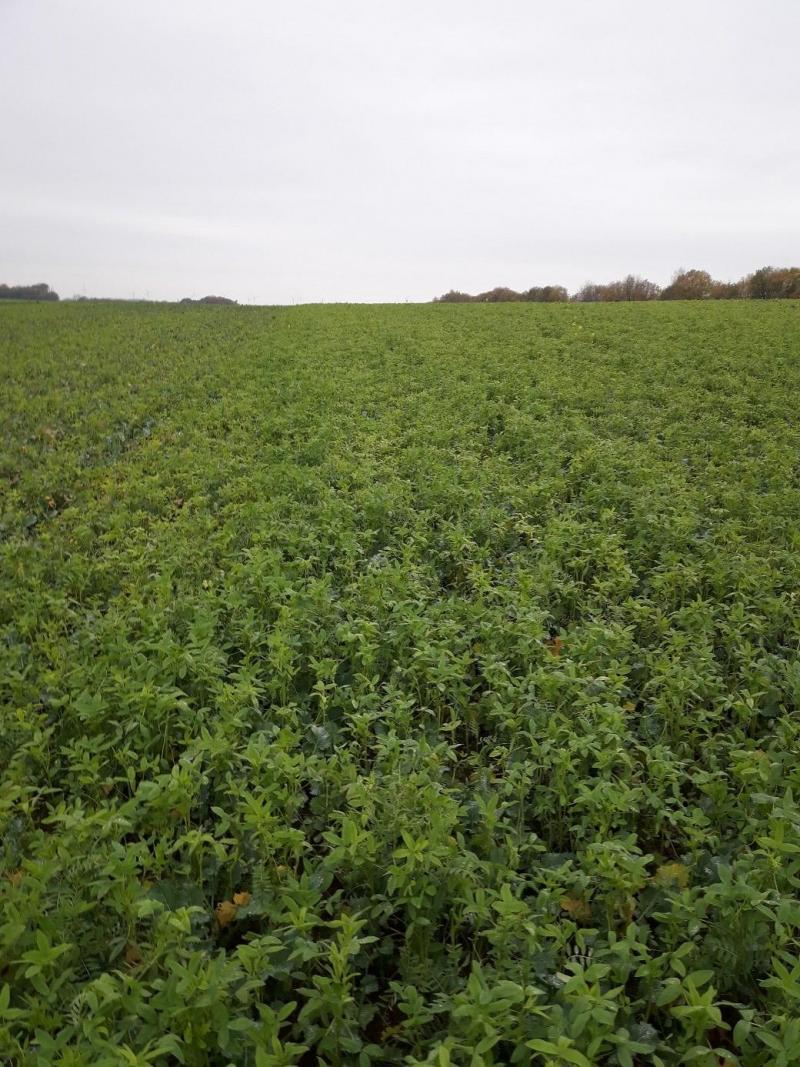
(371, 151)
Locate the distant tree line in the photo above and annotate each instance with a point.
(27, 292)
(44, 292)
(539, 294)
(209, 300)
(768, 283)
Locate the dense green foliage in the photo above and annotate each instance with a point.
(400, 684)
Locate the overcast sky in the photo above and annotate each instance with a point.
(390, 151)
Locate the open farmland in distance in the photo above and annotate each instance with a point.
(400, 684)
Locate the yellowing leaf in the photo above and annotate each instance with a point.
(225, 912)
(15, 877)
(577, 908)
(133, 957)
(672, 874)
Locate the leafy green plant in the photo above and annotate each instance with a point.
(400, 684)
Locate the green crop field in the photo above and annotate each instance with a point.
(399, 685)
